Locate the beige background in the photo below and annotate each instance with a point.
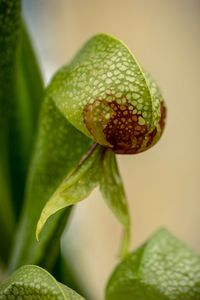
(162, 184)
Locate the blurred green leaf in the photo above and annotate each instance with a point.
(33, 282)
(20, 96)
(6, 211)
(9, 32)
(75, 187)
(24, 111)
(112, 189)
(162, 269)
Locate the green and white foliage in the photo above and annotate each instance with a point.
(32, 282)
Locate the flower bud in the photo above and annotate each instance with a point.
(105, 94)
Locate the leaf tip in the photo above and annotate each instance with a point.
(42, 221)
(38, 230)
(39, 227)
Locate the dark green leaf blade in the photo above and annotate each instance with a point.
(33, 282)
(76, 186)
(9, 32)
(24, 110)
(162, 269)
(20, 97)
(112, 189)
(7, 220)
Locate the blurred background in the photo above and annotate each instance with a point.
(162, 184)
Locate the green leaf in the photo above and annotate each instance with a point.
(25, 105)
(113, 191)
(9, 31)
(164, 268)
(76, 186)
(58, 150)
(33, 282)
(20, 85)
(7, 223)
(20, 97)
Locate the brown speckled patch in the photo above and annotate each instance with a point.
(119, 126)
(123, 131)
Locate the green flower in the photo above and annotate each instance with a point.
(105, 94)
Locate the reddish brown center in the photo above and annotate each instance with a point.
(119, 126)
(123, 131)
